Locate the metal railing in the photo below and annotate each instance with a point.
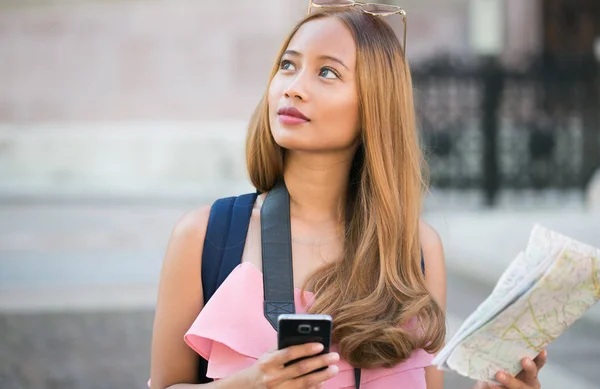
(491, 128)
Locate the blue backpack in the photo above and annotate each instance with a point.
(223, 248)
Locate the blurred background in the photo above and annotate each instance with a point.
(118, 116)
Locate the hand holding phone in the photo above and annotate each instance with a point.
(302, 360)
(274, 369)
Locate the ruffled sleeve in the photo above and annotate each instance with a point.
(231, 333)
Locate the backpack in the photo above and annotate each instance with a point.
(223, 248)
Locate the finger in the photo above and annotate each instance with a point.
(316, 378)
(492, 385)
(530, 371)
(281, 357)
(541, 359)
(309, 365)
(510, 382)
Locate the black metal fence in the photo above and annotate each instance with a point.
(489, 128)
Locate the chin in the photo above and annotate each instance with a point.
(307, 139)
(290, 141)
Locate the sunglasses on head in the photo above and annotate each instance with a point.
(370, 8)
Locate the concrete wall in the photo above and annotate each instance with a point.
(139, 97)
(85, 60)
(182, 59)
(123, 160)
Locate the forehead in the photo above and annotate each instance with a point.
(325, 36)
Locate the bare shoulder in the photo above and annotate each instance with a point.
(435, 266)
(187, 239)
(183, 257)
(179, 301)
(192, 224)
(435, 280)
(429, 236)
(184, 250)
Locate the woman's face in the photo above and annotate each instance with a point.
(313, 98)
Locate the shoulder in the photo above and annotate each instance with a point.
(430, 240)
(192, 224)
(435, 266)
(185, 245)
(180, 273)
(179, 301)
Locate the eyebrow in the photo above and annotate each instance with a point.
(328, 57)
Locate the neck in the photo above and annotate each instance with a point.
(317, 185)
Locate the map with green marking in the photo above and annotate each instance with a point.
(545, 289)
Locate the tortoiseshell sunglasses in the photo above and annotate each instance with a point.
(370, 8)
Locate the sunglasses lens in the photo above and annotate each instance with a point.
(333, 3)
(380, 9)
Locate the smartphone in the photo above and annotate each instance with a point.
(296, 329)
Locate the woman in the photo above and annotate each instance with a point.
(337, 124)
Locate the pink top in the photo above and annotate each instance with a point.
(231, 332)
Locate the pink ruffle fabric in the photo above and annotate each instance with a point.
(232, 333)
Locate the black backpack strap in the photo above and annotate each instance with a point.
(223, 248)
(239, 221)
(214, 244)
(225, 239)
(276, 237)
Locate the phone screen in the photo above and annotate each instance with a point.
(296, 329)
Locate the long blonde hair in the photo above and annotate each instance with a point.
(375, 290)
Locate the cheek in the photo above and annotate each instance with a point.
(344, 118)
(275, 92)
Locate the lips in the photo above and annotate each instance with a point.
(292, 113)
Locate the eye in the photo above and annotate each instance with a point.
(328, 73)
(286, 65)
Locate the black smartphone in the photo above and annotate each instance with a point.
(296, 329)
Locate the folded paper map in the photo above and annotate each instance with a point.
(545, 289)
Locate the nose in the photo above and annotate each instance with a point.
(296, 89)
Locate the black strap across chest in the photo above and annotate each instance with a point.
(276, 244)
